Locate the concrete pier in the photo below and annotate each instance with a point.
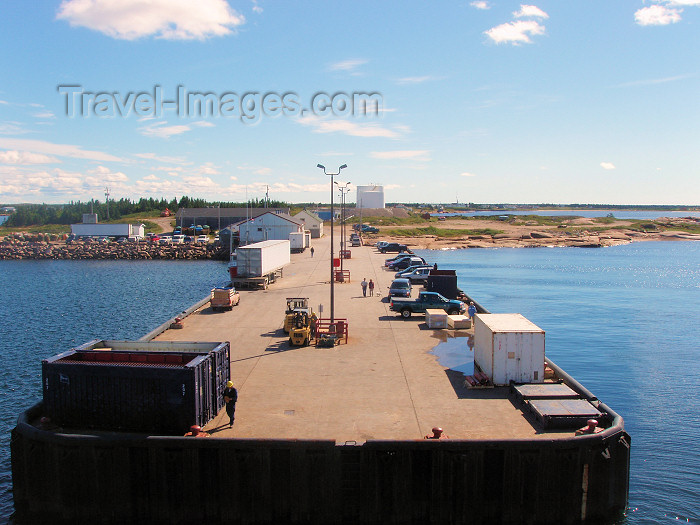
(383, 384)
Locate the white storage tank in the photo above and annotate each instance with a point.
(509, 347)
(370, 196)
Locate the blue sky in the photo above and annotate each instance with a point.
(479, 101)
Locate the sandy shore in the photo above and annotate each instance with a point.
(580, 232)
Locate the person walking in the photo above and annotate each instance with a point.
(364, 287)
(371, 287)
(230, 396)
(312, 251)
(471, 311)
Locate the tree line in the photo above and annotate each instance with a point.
(72, 213)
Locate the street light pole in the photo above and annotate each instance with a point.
(332, 272)
(343, 237)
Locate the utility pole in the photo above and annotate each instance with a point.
(107, 201)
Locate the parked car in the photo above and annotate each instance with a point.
(188, 239)
(165, 240)
(178, 238)
(400, 288)
(203, 239)
(419, 275)
(410, 269)
(406, 262)
(369, 229)
(394, 247)
(400, 256)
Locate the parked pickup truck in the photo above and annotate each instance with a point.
(425, 301)
(224, 298)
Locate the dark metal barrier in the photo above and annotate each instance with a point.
(127, 478)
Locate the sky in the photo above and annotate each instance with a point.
(489, 101)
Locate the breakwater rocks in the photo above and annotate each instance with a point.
(35, 249)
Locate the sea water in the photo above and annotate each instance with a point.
(625, 322)
(622, 320)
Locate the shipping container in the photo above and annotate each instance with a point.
(443, 282)
(298, 241)
(509, 347)
(262, 258)
(136, 386)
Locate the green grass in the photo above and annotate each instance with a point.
(539, 220)
(46, 228)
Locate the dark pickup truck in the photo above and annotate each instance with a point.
(394, 247)
(426, 301)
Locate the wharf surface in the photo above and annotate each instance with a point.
(384, 384)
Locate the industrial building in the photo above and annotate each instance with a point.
(90, 227)
(217, 218)
(267, 226)
(370, 196)
(311, 222)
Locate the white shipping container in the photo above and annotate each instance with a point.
(298, 241)
(262, 258)
(509, 347)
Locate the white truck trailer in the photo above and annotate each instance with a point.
(259, 264)
(509, 347)
(299, 241)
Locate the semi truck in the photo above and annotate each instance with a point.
(258, 264)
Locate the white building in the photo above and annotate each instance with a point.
(370, 196)
(267, 226)
(107, 230)
(311, 222)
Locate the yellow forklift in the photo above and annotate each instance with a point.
(303, 328)
(294, 304)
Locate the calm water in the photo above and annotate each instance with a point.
(46, 307)
(623, 320)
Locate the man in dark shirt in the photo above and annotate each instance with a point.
(230, 396)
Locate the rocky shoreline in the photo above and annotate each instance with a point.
(538, 240)
(13, 249)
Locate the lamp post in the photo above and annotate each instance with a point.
(332, 276)
(343, 238)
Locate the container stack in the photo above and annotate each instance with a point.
(135, 386)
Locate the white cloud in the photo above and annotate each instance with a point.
(480, 4)
(256, 8)
(657, 15)
(208, 168)
(515, 33)
(347, 65)
(25, 157)
(159, 129)
(421, 155)
(160, 158)
(168, 19)
(45, 114)
(467, 174)
(61, 150)
(607, 165)
(4, 102)
(530, 11)
(653, 81)
(347, 127)
(414, 80)
(25, 184)
(684, 2)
